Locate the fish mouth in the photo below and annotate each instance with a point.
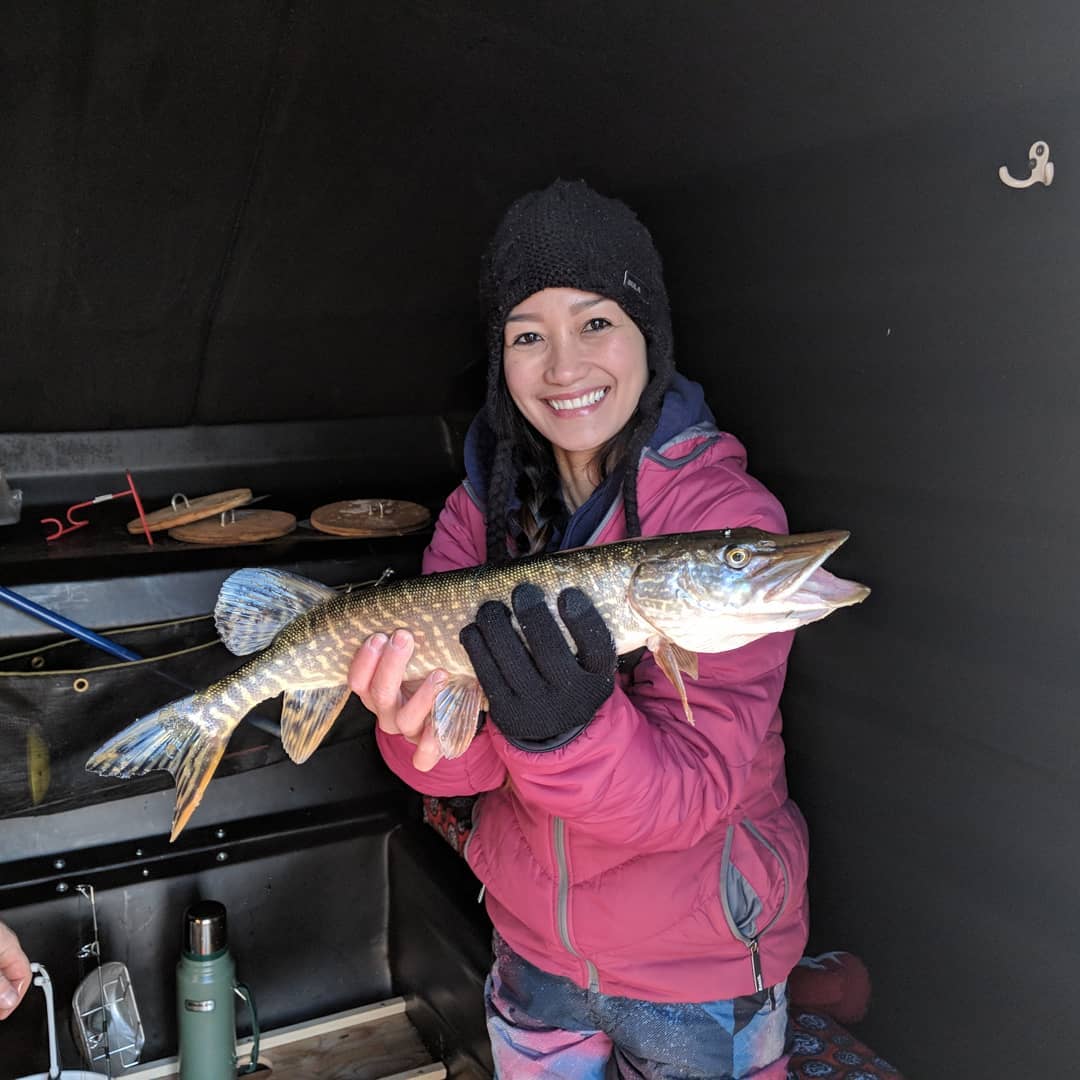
(795, 577)
(823, 591)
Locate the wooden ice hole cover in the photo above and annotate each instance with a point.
(239, 527)
(370, 517)
(184, 510)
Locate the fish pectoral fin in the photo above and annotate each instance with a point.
(306, 717)
(674, 660)
(186, 738)
(456, 714)
(685, 660)
(254, 605)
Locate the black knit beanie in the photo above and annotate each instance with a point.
(569, 236)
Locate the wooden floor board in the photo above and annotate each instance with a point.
(376, 1051)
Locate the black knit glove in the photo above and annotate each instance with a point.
(538, 689)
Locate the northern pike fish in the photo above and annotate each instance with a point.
(677, 595)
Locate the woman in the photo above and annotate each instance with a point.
(645, 877)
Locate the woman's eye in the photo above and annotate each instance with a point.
(597, 323)
(530, 337)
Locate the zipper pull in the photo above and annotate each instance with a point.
(755, 961)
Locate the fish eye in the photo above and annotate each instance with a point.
(736, 557)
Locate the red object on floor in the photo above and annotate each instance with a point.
(836, 983)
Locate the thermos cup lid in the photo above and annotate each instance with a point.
(204, 928)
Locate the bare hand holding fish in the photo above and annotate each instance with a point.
(678, 595)
(375, 676)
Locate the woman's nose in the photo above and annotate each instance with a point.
(565, 362)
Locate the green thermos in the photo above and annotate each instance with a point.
(206, 989)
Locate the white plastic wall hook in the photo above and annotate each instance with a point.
(1042, 168)
(41, 978)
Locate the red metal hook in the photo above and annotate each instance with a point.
(77, 523)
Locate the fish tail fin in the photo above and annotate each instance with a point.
(185, 738)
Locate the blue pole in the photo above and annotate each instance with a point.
(74, 629)
(20, 603)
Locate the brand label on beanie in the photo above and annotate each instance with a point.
(632, 283)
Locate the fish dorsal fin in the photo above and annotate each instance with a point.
(306, 717)
(456, 714)
(253, 605)
(674, 660)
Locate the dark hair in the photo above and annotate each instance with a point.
(568, 236)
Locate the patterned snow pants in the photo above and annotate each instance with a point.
(544, 1025)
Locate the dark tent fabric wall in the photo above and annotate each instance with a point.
(252, 220)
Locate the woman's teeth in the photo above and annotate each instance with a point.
(591, 398)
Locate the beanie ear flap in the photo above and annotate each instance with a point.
(649, 406)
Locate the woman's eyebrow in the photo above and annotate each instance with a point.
(581, 305)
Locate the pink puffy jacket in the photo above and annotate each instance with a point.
(647, 857)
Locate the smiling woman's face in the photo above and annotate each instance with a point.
(575, 365)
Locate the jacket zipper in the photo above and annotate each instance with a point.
(755, 963)
(468, 842)
(562, 878)
(752, 943)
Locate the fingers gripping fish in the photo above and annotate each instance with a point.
(679, 595)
